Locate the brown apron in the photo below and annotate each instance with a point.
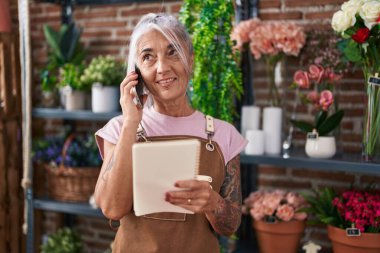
(174, 232)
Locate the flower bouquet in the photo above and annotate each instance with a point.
(284, 39)
(353, 218)
(277, 219)
(358, 23)
(319, 82)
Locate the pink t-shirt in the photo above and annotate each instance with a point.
(228, 138)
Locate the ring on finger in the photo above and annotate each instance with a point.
(189, 201)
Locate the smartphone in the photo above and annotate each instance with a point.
(139, 89)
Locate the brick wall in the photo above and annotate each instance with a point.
(106, 30)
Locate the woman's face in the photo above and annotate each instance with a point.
(161, 67)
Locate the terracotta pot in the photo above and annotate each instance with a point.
(341, 243)
(278, 237)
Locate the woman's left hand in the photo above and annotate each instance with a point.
(194, 195)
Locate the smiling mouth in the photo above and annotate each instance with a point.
(166, 82)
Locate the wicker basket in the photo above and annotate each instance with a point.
(72, 184)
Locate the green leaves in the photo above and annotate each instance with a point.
(217, 80)
(323, 124)
(352, 51)
(64, 240)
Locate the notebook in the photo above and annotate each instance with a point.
(156, 167)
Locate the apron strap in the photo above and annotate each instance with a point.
(210, 132)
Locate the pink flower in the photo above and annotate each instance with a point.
(300, 216)
(285, 212)
(316, 73)
(301, 78)
(326, 99)
(313, 97)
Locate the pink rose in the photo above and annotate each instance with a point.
(301, 78)
(326, 99)
(294, 199)
(257, 213)
(316, 73)
(285, 212)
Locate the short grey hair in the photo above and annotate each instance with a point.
(173, 30)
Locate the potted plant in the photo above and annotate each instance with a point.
(104, 74)
(64, 47)
(65, 240)
(352, 218)
(315, 88)
(73, 90)
(72, 164)
(277, 219)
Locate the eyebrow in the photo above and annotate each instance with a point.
(148, 49)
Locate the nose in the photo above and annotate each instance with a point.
(163, 65)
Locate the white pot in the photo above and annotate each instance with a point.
(73, 100)
(321, 147)
(105, 98)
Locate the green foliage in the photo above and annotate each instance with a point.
(64, 48)
(217, 80)
(323, 124)
(70, 74)
(105, 70)
(64, 240)
(321, 206)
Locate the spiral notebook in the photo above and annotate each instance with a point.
(156, 167)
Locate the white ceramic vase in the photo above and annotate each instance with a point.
(73, 100)
(321, 147)
(105, 98)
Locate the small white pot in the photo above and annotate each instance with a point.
(105, 98)
(321, 147)
(73, 100)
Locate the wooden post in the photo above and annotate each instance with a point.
(11, 199)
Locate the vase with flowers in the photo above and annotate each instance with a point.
(277, 219)
(358, 22)
(352, 218)
(284, 39)
(315, 89)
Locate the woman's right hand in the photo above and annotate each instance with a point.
(131, 112)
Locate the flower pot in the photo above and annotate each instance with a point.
(105, 98)
(278, 237)
(73, 100)
(341, 243)
(320, 147)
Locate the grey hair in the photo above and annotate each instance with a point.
(173, 30)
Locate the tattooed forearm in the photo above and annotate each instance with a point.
(228, 212)
(108, 167)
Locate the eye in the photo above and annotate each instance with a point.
(146, 57)
(172, 52)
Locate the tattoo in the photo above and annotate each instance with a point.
(109, 167)
(228, 212)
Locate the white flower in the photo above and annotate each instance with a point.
(341, 21)
(352, 7)
(370, 11)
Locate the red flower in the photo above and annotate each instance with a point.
(361, 35)
(378, 20)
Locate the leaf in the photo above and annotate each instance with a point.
(319, 118)
(302, 125)
(352, 51)
(53, 39)
(330, 123)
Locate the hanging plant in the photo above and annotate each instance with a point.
(217, 80)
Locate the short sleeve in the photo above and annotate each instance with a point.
(110, 132)
(237, 144)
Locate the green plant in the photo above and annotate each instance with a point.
(358, 208)
(65, 240)
(64, 48)
(217, 81)
(105, 70)
(70, 75)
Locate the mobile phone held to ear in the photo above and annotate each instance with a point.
(139, 89)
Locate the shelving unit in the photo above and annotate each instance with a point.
(56, 206)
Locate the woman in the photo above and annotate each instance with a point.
(163, 52)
